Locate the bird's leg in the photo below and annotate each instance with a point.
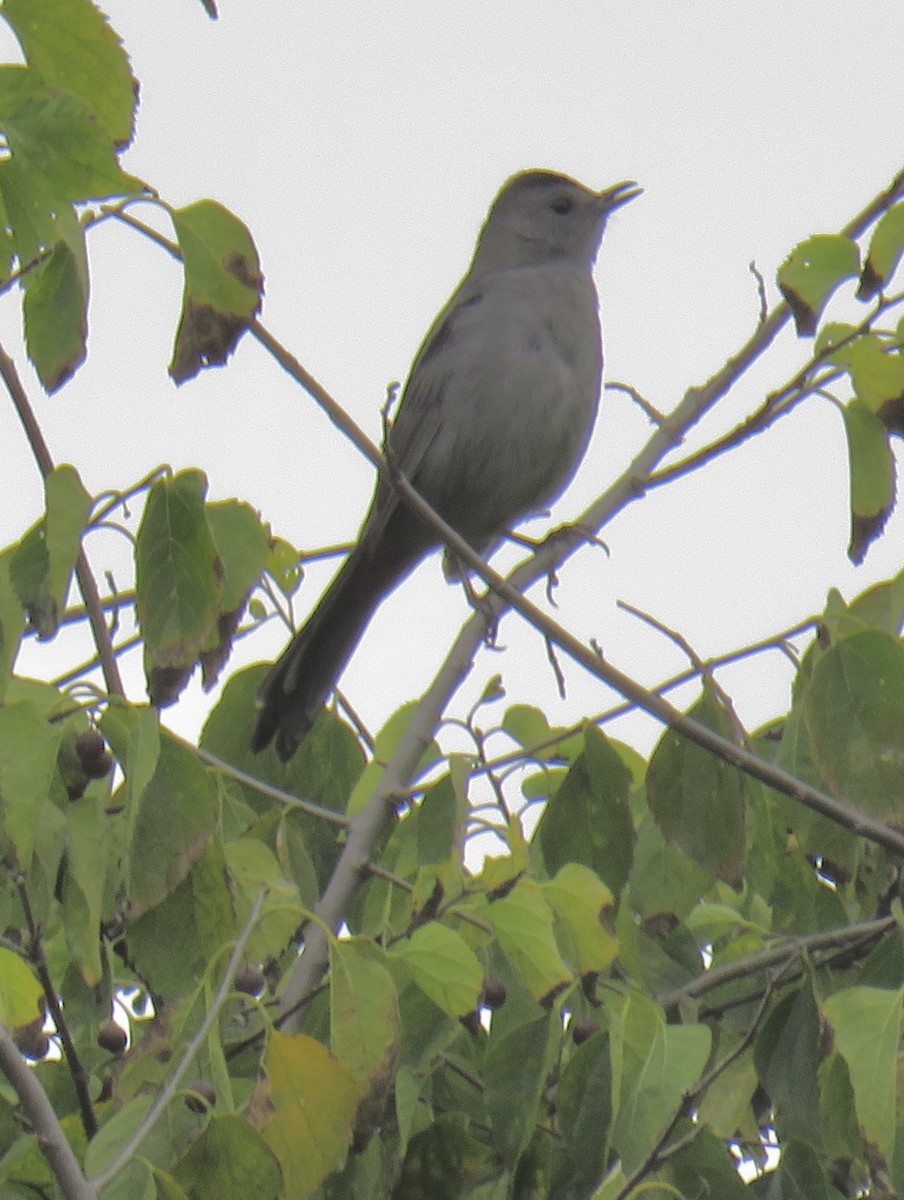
(480, 604)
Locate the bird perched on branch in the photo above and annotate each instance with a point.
(495, 417)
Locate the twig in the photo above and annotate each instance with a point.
(665, 1150)
(73, 1062)
(762, 960)
(44, 1121)
(760, 290)
(272, 793)
(777, 641)
(172, 1084)
(84, 575)
(640, 400)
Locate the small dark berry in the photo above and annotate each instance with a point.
(204, 1096)
(31, 1039)
(583, 1029)
(75, 788)
(89, 745)
(250, 980)
(471, 1022)
(112, 1037)
(494, 993)
(98, 768)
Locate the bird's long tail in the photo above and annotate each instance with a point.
(298, 684)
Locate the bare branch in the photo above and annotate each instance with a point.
(51, 1139)
(86, 581)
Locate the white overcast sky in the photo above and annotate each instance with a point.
(362, 143)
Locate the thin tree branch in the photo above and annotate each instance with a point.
(272, 793)
(762, 960)
(84, 575)
(664, 1149)
(44, 1122)
(74, 1064)
(171, 1086)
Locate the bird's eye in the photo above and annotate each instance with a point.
(561, 205)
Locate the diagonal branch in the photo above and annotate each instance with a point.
(44, 1121)
(86, 581)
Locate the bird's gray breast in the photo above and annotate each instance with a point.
(510, 379)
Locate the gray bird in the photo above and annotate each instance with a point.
(495, 417)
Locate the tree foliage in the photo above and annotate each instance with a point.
(684, 965)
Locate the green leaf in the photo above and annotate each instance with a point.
(882, 605)
(28, 764)
(653, 1065)
(72, 47)
(812, 272)
(523, 923)
(698, 800)
(229, 1158)
(241, 540)
(179, 582)
(387, 742)
(588, 820)
(530, 728)
(304, 1108)
(441, 817)
(68, 507)
(42, 564)
(364, 1018)
(840, 1128)
(885, 250)
(170, 945)
(663, 879)
(584, 1104)
(60, 155)
(223, 286)
(877, 371)
(787, 1055)
(253, 867)
(800, 1175)
(20, 992)
(284, 565)
(12, 621)
(854, 713)
(133, 733)
(703, 1167)
(56, 307)
(88, 843)
(872, 472)
(324, 770)
(515, 1071)
(443, 966)
(726, 1105)
(866, 1023)
(584, 904)
(177, 816)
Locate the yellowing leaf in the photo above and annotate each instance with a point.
(581, 900)
(20, 992)
(522, 921)
(866, 1023)
(304, 1108)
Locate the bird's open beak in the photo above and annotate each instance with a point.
(615, 197)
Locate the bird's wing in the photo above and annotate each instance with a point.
(420, 416)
